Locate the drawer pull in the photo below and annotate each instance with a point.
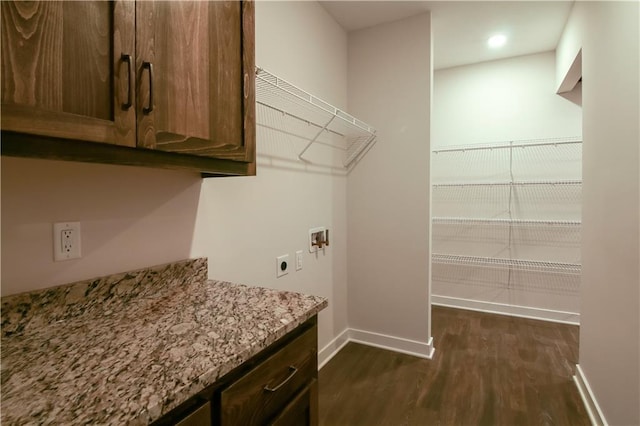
(289, 377)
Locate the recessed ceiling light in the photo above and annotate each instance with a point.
(496, 41)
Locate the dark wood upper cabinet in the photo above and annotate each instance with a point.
(192, 66)
(171, 80)
(62, 69)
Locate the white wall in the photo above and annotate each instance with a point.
(568, 48)
(510, 99)
(244, 223)
(610, 322)
(497, 101)
(388, 191)
(130, 218)
(136, 217)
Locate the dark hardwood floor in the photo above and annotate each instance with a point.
(487, 370)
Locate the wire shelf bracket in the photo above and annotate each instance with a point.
(292, 101)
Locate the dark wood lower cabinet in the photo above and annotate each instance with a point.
(303, 410)
(276, 387)
(263, 392)
(199, 417)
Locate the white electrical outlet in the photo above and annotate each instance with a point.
(282, 265)
(298, 260)
(66, 241)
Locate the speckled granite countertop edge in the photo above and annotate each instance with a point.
(212, 376)
(128, 348)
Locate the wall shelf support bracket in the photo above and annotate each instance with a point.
(312, 141)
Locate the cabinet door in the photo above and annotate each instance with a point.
(196, 89)
(65, 72)
(302, 410)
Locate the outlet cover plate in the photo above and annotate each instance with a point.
(66, 241)
(298, 260)
(282, 265)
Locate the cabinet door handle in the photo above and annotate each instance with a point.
(245, 93)
(289, 377)
(127, 59)
(149, 66)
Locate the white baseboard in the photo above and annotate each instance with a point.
(396, 344)
(593, 409)
(383, 341)
(504, 309)
(332, 348)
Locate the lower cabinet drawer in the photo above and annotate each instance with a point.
(261, 394)
(303, 410)
(199, 417)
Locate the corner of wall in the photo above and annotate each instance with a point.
(376, 340)
(572, 75)
(568, 49)
(388, 205)
(588, 398)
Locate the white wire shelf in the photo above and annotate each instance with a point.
(560, 237)
(513, 264)
(482, 279)
(277, 94)
(507, 183)
(505, 222)
(513, 144)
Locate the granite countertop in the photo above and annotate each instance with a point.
(128, 348)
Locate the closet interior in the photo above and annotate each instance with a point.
(506, 221)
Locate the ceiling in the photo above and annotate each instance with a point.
(461, 28)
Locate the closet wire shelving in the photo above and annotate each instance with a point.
(563, 233)
(281, 96)
(499, 224)
(510, 145)
(502, 222)
(513, 264)
(514, 183)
